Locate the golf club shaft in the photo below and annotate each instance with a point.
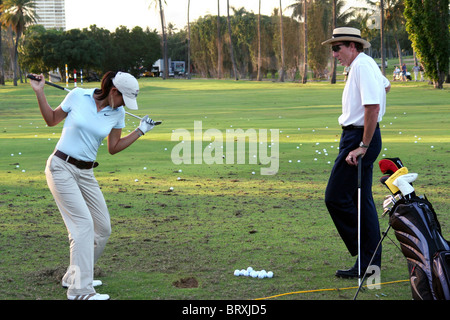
(359, 219)
(371, 260)
(30, 76)
(156, 123)
(130, 114)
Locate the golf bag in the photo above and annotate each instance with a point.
(427, 252)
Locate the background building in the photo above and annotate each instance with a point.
(51, 14)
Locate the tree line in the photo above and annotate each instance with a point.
(250, 45)
(236, 44)
(92, 49)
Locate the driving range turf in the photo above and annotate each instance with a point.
(185, 243)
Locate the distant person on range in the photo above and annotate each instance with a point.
(404, 72)
(416, 69)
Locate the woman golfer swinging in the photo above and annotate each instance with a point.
(90, 116)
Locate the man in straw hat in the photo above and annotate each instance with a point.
(363, 106)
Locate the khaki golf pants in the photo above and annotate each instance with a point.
(83, 208)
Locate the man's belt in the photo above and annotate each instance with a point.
(352, 127)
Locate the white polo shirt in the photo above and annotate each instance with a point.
(85, 128)
(365, 85)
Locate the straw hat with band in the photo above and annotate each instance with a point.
(347, 34)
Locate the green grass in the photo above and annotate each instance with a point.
(218, 218)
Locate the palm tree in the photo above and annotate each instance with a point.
(333, 60)
(339, 18)
(231, 42)
(392, 16)
(305, 36)
(189, 43)
(158, 3)
(395, 20)
(259, 77)
(300, 9)
(219, 43)
(282, 44)
(2, 72)
(17, 14)
(383, 58)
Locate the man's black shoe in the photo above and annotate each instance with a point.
(349, 273)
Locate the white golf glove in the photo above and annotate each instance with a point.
(146, 124)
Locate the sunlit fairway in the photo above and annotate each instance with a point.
(172, 222)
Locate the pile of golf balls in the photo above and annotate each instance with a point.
(249, 272)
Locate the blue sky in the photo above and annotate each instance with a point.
(110, 14)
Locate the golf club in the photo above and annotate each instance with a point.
(30, 76)
(391, 199)
(388, 201)
(390, 167)
(359, 219)
(137, 117)
(371, 260)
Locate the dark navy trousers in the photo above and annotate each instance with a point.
(341, 197)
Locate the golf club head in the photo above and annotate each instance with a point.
(390, 181)
(388, 200)
(403, 183)
(389, 203)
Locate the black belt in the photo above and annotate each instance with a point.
(77, 163)
(352, 127)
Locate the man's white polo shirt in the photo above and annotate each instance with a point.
(365, 85)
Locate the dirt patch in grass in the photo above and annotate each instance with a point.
(189, 282)
(55, 274)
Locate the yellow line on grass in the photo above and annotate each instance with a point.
(330, 289)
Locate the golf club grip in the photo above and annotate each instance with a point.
(359, 171)
(30, 76)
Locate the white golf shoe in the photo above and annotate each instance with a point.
(95, 283)
(92, 296)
